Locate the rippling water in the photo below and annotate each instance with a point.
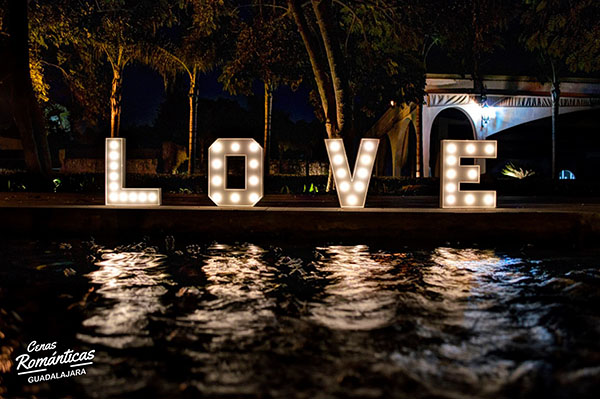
(170, 319)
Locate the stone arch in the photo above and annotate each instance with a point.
(448, 123)
(406, 152)
(384, 162)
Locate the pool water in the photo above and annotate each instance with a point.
(174, 319)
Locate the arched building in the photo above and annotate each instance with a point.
(410, 133)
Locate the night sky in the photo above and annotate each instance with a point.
(143, 93)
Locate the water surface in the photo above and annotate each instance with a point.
(172, 319)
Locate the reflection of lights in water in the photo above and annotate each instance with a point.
(356, 298)
(238, 279)
(132, 283)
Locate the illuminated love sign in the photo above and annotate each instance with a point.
(351, 188)
(453, 174)
(218, 153)
(114, 170)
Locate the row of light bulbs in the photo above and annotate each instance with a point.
(352, 187)
(453, 174)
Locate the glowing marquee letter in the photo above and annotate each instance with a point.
(217, 172)
(114, 169)
(453, 173)
(352, 189)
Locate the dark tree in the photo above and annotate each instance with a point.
(16, 86)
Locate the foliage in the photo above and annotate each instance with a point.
(563, 33)
(266, 49)
(511, 170)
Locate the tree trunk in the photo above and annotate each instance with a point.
(23, 104)
(267, 138)
(329, 35)
(318, 65)
(193, 126)
(116, 99)
(555, 110)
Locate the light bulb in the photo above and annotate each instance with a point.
(363, 173)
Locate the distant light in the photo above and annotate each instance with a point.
(566, 175)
